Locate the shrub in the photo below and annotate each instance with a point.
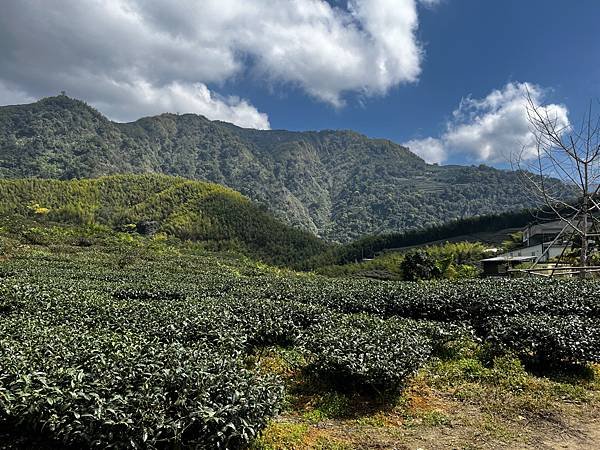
(419, 265)
(549, 338)
(140, 395)
(99, 375)
(359, 351)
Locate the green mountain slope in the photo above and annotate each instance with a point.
(337, 184)
(190, 210)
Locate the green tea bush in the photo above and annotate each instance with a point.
(470, 303)
(274, 322)
(110, 382)
(367, 351)
(131, 393)
(143, 294)
(549, 338)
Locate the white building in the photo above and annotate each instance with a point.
(538, 241)
(539, 249)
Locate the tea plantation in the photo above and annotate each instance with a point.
(157, 351)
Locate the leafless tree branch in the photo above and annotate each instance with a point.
(562, 157)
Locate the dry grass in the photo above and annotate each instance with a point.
(463, 401)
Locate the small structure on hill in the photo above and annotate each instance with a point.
(502, 265)
(545, 241)
(147, 227)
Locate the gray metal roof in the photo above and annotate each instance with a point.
(506, 258)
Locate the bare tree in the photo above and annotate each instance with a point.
(571, 155)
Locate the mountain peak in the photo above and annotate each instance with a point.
(63, 101)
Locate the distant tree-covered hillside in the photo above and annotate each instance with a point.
(339, 185)
(370, 246)
(189, 210)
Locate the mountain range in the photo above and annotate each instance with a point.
(339, 185)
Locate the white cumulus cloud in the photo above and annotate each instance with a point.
(131, 57)
(492, 129)
(142, 99)
(430, 149)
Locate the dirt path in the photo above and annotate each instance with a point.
(340, 434)
(582, 436)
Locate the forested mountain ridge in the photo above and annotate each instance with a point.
(219, 217)
(337, 184)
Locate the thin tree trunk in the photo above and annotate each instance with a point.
(584, 239)
(585, 226)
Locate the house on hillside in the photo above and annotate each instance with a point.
(539, 244)
(539, 233)
(540, 240)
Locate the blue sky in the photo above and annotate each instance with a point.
(471, 48)
(396, 69)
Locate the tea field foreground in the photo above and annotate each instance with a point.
(159, 348)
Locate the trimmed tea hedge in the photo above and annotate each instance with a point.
(156, 353)
(364, 350)
(549, 338)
